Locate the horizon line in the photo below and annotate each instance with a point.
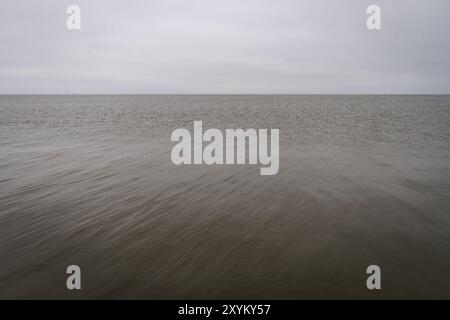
(230, 94)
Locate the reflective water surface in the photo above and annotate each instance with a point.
(88, 180)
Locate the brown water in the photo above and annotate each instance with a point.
(88, 180)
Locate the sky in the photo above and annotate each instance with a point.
(233, 46)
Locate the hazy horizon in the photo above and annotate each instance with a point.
(224, 94)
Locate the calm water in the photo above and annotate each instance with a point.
(88, 180)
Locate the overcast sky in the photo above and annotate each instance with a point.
(232, 46)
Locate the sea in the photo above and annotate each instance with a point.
(88, 180)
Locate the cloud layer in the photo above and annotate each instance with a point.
(234, 46)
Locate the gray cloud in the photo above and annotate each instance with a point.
(210, 46)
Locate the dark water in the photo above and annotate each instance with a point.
(88, 180)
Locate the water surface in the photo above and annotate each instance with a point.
(88, 180)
